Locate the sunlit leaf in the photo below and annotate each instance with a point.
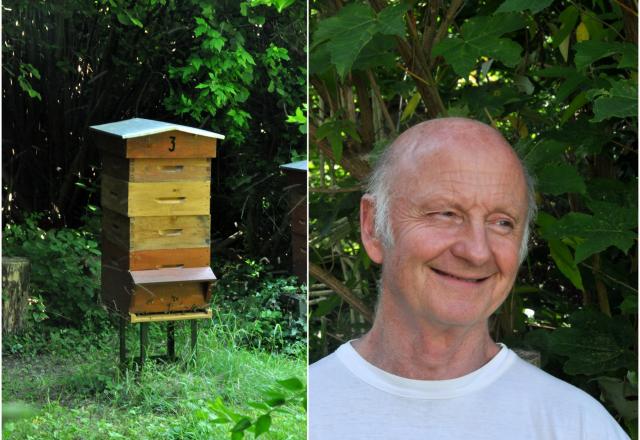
(410, 109)
(292, 384)
(582, 33)
(563, 258)
(262, 425)
(352, 28)
(480, 36)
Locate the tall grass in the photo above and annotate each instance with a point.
(78, 391)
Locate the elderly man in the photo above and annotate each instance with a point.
(446, 215)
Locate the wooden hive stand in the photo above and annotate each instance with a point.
(156, 225)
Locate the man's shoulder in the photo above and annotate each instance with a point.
(551, 389)
(328, 368)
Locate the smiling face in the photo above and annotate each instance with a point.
(458, 208)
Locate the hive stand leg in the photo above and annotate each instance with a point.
(194, 336)
(171, 341)
(144, 341)
(123, 342)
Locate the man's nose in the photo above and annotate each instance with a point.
(472, 244)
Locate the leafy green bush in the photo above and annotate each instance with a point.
(65, 272)
(265, 309)
(278, 398)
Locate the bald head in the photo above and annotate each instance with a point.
(449, 139)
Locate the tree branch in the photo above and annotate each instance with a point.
(343, 291)
(336, 190)
(454, 9)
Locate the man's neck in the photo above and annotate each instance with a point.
(420, 351)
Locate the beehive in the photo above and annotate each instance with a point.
(155, 198)
(297, 186)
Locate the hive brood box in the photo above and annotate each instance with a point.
(297, 185)
(156, 217)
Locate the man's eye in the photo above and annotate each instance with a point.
(447, 214)
(505, 223)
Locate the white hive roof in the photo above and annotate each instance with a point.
(136, 127)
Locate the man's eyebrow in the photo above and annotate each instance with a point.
(435, 200)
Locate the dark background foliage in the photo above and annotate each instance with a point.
(236, 68)
(559, 80)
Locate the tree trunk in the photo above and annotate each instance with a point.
(15, 293)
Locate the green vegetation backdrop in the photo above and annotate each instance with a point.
(559, 79)
(234, 67)
(237, 68)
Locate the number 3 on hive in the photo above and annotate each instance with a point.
(173, 143)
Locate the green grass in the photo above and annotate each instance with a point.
(77, 391)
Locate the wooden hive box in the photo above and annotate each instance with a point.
(156, 220)
(297, 186)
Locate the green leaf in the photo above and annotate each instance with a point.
(241, 425)
(542, 153)
(352, 28)
(595, 233)
(622, 395)
(334, 131)
(480, 36)
(629, 57)
(282, 4)
(521, 5)
(326, 306)
(410, 109)
(574, 79)
(576, 103)
(123, 18)
(276, 401)
(377, 53)
(262, 425)
(568, 18)
(588, 52)
(291, 384)
(135, 21)
(560, 179)
(564, 262)
(629, 305)
(620, 101)
(524, 84)
(391, 19)
(594, 344)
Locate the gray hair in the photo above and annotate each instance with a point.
(379, 187)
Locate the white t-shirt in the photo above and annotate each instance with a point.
(505, 399)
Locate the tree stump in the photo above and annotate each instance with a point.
(15, 293)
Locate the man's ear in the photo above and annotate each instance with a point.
(372, 244)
